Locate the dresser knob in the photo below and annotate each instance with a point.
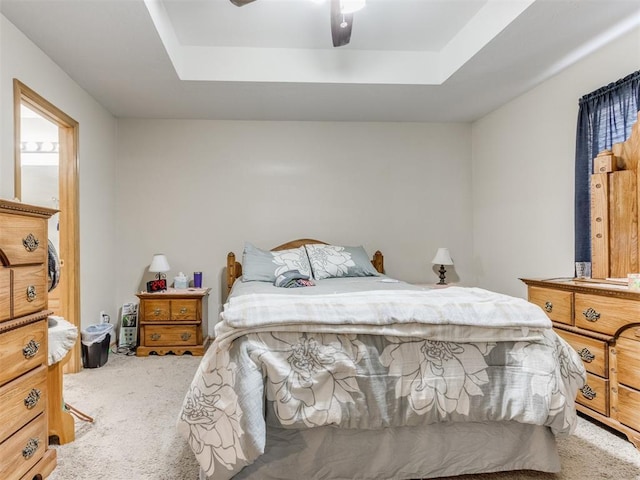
(588, 392)
(185, 336)
(157, 312)
(32, 399)
(548, 306)
(155, 336)
(591, 315)
(30, 243)
(183, 310)
(586, 355)
(31, 293)
(31, 349)
(30, 448)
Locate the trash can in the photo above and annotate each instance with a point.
(95, 345)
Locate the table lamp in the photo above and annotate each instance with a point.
(159, 265)
(442, 258)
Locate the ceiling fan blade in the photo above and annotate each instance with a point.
(340, 25)
(240, 3)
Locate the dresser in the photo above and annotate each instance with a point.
(602, 323)
(174, 321)
(24, 450)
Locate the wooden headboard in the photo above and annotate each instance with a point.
(234, 268)
(615, 229)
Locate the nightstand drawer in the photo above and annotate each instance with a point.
(628, 355)
(22, 400)
(629, 407)
(592, 352)
(23, 239)
(604, 314)
(556, 303)
(29, 290)
(156, 310)
(184, 310)
(23, 349)
(162, 335)
(595, 394)
(22, 450)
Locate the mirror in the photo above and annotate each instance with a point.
(39, 166)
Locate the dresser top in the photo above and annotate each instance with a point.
(592, 286)
(11, 206)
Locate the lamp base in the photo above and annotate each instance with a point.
(442, 272)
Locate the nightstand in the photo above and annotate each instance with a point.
(174, 321)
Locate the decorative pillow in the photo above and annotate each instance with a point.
(329, 261)
(264, 266)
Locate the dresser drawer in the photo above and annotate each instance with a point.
(29, 290)
(592, 352)
(595, 394)
(628, 356)
(23, 239)
(556, 303)
(184, 310)
(163, 335)
(5, 294)
(629, 407)
(23, 449)
(604, 314)
(22, 400)
(22, 349)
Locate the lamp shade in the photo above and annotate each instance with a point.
(442, 257)
(350, 6)
(159, 263)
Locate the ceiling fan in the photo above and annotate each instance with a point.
(341, 18)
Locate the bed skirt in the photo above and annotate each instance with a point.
(438, 450)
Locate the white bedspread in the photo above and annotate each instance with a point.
(454, 313)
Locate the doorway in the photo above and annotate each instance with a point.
(46, 173)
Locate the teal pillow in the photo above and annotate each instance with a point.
(332, 261)
(264, 266)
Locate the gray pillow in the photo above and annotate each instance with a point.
(264, 266)
(330, 261)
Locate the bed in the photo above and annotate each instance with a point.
(362, 376)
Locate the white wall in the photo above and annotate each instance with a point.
(196, 189)
(21, 59)
(523, 173)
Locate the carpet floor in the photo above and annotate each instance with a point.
(135, 402)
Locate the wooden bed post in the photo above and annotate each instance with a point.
(378, 261)
(234, 270)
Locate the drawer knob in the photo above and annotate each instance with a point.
(31, 293)
(30, 448)
(548, 306)
(588, 392)
(31, 243)
(31, 349)
(185, 336)
(32, 399)
(591, 315)
(586, 355)
(183, 310)
(157, 312)
(155, 336)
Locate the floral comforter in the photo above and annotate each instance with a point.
(301, 378)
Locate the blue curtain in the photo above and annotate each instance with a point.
(605, 117)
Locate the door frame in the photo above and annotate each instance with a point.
(69, 199)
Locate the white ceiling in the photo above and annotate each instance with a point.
(408, 60)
